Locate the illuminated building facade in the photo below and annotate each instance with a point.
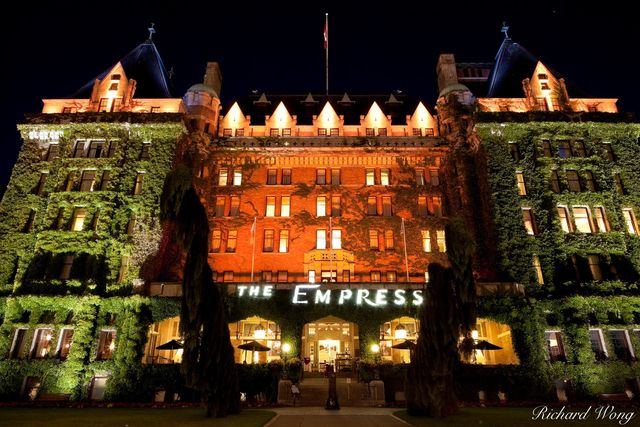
(325, 211)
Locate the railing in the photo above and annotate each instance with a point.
(489, 288)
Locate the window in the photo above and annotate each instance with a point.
(370, 176)
(336, 210)
(426, 276)
(104, 181)
(96, 150)
(227, 276)
(594, 267)
(272, 177)
(286, 131)
(17, 344)
(220, 205)
(336, 239)
(77, 220)
(30, 220)
(389, 241)
(442, 243)
(590, 181)
(437, 205)
(369, 132)
(321, 239)
(41, 182)
(554, 180)
(597, 344)
(285, 205)
(144, 153)
(227, 132)
(334, 131)
(274, 132)
(382, 131)
(286, 177)
(335, 176)
(422, 206)
(87, 180)
(555, 346)
(608, 151)
(372, 206)
(578, 149)
(619, 185)
(392, 276)
(222, 176)
(52, 152)
(630, 220)
(537, 268)
(546, 148)
(322, 131)
(78, 150)
(564, 151)
(582, 218)
(375, 276)
(321, 206)
(544, 85)
(266, 276)
(321, 176)
(68, 185)
(268, 241)
(284, 241)
(64, 343)
(386, 206)
(574, 181)
(283, 276)
(65, 271)
(565, 224)
(237, 177)
(312, 276)
(426, 240)
(373, 240)
(384, 177)
(529, 221)
(514, 151)
(420, 176)
(232, 238)
(434, 178)
(417, 132)
(602, 224)
(137, 187)
(106, 345)
(234, 209)
(216, 238)
(621, 344)
(124, 266)
(112, 148)
(522, 187)
(41, 343)
(239, 132)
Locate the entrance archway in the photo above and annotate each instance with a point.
(330, 340)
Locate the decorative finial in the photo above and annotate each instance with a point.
(505, 30)
(171, 73)
(152, 31)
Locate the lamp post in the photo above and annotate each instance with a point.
(286, 348)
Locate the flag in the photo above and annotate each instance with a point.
(326, 34)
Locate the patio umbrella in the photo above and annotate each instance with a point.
(486, 345)
(170, 345)
(252, 346)
(405, 345)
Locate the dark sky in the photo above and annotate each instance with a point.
(50, 51)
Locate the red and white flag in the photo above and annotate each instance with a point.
(326, 33)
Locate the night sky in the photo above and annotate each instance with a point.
(50, 51)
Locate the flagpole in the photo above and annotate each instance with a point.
(253, 254)
(404, 239)
(331, 252)
(326, 51)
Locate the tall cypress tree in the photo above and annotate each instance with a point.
(447, 314)
(208, 360)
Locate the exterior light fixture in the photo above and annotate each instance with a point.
(401, 332)
(474, 334)
(375, 348)
(286, 348)
(259, 333)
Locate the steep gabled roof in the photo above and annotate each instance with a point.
(513, 64)
(145, 66)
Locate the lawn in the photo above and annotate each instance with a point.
(127, 417)
(513, 417)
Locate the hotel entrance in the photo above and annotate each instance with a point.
(330, 341)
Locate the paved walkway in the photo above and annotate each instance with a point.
(345, 417)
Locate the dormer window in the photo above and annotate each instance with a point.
(544, 85)
(113, 86)
(543, 76)
(115, 77)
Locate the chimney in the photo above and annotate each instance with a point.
(446, 70)
(213, 77)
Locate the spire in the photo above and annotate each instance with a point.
(505, 29)
(152, 31)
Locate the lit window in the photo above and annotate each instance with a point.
(321, 206)
(420, 176)
(312, 276)
(17, 344)
(216, 238)
(106, 345)
(284, 241)
(442, 244)
(371, 177)
(386, 206)
(583, 219)
(384, 176)
(594, 267)
(375, 276)
(41, 343)
(268, 241)
(335, 206)
(220, 200)
(382, 131)
(237, 177)
(522, 187)
(137, 187)
(422, 206)
(619, 185)
(222, 176)
(554, 180)
(87, 180)
(227, 132)
(392, 276)
(417, 132)
(232, 238)
(370, 132)
(426, 276)
(286, 177)
(321, 239)
(621, 344)
(389, 241)
(77, 221)
(574, 181)
(601, 219)
(372, 206)
(286, 131)
(597, 344)
(64, 343)
(67, 263)
(334, 131)
(555, 346)
(590, 181)
(630, 220)
(144, 153)
(234, 209)
(437, 205)
(285, 206)
(434, 178)
(529, 222)
(563, 214)
(321, 176)
(346, 276)
(322, 132)
(537, 268)
(335, 176)
(336, 239)
(272, 177)
(426, 240)
(274, 132)
(373, 240)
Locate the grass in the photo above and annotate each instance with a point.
(513, 417)
(127, 417)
